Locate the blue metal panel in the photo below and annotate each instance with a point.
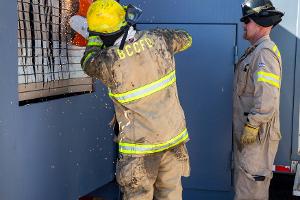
(55, 150)
(188, 11)
(207, 195)
(204, 75)
(60, 149)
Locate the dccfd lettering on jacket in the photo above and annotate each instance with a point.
(135, 47)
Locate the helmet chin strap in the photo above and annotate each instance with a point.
(124, 38)
(129, 33)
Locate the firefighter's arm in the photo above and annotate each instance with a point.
(91, 61)
(177, 40)
(267, 80)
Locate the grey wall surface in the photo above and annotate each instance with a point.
(296, 121)
(60, 149)
(285, 36)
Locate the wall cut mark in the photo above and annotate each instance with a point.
(48, 63)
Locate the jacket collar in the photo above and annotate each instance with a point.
(262, 39)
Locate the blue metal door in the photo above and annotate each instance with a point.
(204, 79)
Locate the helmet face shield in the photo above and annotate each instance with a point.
(132, 14)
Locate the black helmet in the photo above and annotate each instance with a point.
(262, 12)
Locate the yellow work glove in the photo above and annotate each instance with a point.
(250, 134)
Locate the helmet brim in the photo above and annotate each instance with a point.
(266, 21)
(107, 34)
(273, 18)
(243, 19)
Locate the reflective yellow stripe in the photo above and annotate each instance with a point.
(94, 44)
(188, 44)
(274, 76)
(87, 57)
(145, 90)
(270, 78)
(129, 148)
(94, 41)
(276, 50)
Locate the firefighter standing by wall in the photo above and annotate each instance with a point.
(256, 102)
(138, 67)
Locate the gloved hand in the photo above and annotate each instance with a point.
(94, 41)
(250, 134)
(94, 44)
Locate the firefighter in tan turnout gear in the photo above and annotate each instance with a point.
(138, 68)
(256, 102)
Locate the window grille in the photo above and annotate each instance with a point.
(48, 63)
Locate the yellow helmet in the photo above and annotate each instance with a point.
(106, 16)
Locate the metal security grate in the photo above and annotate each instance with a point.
(48, 63)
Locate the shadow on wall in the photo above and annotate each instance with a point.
(286, 42)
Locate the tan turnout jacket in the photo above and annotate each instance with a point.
(141, 79)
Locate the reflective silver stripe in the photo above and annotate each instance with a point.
(270, 78)
(128, 148)
(145, 90)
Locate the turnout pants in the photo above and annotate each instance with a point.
(253, 168)
(156, 176)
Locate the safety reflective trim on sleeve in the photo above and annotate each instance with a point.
(94, 41)
(270, 78)
(88, 56)
(145, 90)
(129, 148)
(188, 44)
(276, 50)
